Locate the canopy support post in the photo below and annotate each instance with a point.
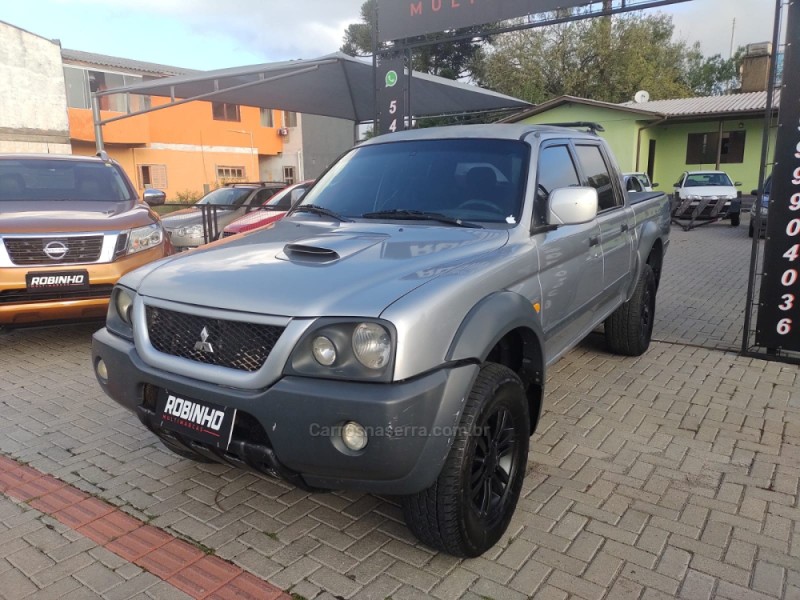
(98, 124)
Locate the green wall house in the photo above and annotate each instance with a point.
(664, 138)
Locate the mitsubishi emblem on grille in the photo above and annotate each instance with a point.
(204, 345)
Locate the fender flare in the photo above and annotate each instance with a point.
(490, 320)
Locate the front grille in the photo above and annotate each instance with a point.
(31, 251)
(25, 296)
(232, 344)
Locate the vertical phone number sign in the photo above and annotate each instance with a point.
(392, 94)
(779, 303)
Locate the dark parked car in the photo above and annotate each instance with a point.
(762, 202)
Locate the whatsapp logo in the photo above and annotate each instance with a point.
(391, 79)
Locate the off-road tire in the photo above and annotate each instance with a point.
(736, 219)
(629, 329)
(444, 516)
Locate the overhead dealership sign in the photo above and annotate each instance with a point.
(399, 19)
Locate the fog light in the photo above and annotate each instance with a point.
(102, 371)
(324, 351)
(354, 436)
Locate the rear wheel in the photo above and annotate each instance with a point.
(751, 230)
(469, 506)
(629, 329)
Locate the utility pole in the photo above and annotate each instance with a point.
(733, 34)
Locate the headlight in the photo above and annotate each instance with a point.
(324, 351)
(144, 238)
(372, 345)
(123, 302)
(693, 197)
(193, 231)
(354, 350)
(120, 312)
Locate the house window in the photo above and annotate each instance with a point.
(153, 176)
(702, 148)
(223, 111)
(288, 175)
(230, 173)
(289, 119)
(77, 87)
(80, 84)
(266, 117)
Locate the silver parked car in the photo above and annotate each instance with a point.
(218, 208)
(392, 333)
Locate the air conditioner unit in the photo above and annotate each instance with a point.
(759, 49)
(283, 131)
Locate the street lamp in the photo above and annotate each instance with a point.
(252, 149)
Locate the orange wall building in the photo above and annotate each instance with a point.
(184, 150)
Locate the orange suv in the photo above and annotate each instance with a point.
(70, 227)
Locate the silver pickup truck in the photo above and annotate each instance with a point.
(393, 332)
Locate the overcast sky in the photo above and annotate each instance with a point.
(210, 34)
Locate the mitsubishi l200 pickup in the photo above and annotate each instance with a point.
(70, 227)
(392, 333)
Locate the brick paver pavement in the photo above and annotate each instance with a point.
(670, 475)
(704, 283)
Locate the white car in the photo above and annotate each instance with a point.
(638, 182)
(708, 188)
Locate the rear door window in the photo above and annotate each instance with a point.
(598, 175)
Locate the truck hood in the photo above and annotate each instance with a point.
(73, 216)
(304, 268)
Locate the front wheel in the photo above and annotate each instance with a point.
(735, 219)
(469, 506)
(751, 231)
(629, 328)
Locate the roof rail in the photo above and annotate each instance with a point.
(235, 183)
(592, 127)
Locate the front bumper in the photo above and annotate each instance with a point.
(412, 423)
(18, 307)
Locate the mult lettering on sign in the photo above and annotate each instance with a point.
(418, 8)
(58, 280)
(194, 413)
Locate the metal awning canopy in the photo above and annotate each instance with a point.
(336, 85)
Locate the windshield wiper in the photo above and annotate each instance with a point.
(418, 215)
(321, 210)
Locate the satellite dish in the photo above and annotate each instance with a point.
(641, 96)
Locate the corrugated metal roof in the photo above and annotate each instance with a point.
(705, 105)
(123, 64)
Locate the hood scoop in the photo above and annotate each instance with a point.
(327, 249)
(306, 253)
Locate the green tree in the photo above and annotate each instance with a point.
(607, 59)
(712, 75)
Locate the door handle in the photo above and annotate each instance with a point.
(624, 227)
(594, 241)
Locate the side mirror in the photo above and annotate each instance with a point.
(655, 185)
(154, 197)
(738, 184)
(572, 206)
(754, 193)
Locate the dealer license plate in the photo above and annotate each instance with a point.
(57, 281)
(201, 421)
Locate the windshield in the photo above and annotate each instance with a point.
(48, 179)
(226, 196)
(470, 179)
(708, 179)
